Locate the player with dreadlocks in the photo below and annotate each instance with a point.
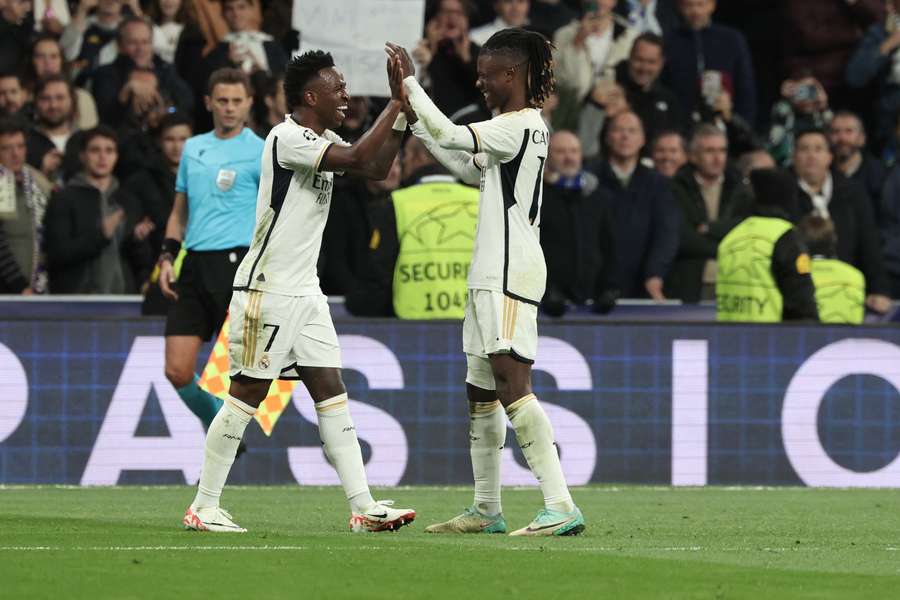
(507, 275)
(280, 323)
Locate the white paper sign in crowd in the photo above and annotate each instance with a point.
(354, 31)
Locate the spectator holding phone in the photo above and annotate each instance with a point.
(587, 52)
(803, 106)
(708, 66)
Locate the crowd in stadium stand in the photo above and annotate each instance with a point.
(663, 109)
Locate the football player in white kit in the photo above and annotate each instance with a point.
(281, 326)
(507, 276)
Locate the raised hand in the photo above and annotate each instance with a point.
(394, 78)
(407, 67)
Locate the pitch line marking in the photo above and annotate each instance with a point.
(289, 548)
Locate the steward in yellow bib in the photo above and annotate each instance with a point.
(436, 220)
(840, 287)
(763, 266)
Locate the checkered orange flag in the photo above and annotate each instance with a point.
(215, 380)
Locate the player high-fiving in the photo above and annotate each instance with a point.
(508, 275)
(281, 326)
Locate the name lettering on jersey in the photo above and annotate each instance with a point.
(324, 186)
(538, 137)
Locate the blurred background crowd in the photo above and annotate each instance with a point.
(664, 109)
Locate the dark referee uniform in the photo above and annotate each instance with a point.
(220, 179)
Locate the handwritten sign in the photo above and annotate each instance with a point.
(354, 32)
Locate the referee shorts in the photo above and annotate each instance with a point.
(204, 291)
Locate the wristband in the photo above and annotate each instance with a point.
(400, 123)
(171, 246)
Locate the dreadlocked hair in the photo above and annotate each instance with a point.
(300, 71)
(532, 48)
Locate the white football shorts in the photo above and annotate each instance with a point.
(274, 336)
(496, 324)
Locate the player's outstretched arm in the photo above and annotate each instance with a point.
(373, 154)
(460, 163)
(444, 132)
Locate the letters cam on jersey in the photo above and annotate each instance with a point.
(291, 210)
(507, 256)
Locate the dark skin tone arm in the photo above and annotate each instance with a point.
(373, 154)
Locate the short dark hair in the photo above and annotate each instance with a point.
(42, 84)
(101, 131)
(849, 114)
(650, 38)
(819, 235)
(300, 71)
(809, 131)
(11, 125)
(228, 75)
(174, 119)
(11, 74)
(120, 30)
(669, 133)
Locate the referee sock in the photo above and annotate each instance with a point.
(222, 441)
(535, 436)
(341, 445)
(487, 434)
(202, 403)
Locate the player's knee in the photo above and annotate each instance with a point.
(179, 376)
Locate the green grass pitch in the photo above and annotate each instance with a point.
(641, 542)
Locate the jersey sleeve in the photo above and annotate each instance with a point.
(302, 150)
(501, 137)
(181, 178)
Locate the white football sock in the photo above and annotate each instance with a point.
(222, 439)
(535, 436)
(338, 435)
(487, 434)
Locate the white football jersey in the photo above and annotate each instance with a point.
(291, 210)
(511, 149)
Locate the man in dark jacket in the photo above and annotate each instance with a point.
(54, 141)
(828, 194)
(93, 243)
(137, 81)
(644, 215)
(713, 200)
(848, 143)
(706, 61)
(576, 231)
(656, 105)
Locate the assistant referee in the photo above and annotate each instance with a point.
(212, 217)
